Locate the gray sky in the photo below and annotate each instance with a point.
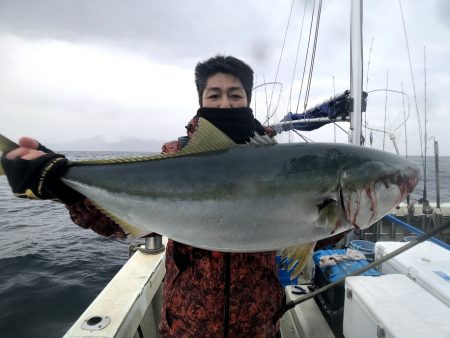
(79, 69)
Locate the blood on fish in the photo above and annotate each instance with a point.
(373, 201)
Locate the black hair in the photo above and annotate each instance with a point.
(227, 65)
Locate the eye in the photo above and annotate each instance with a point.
(324, 203)
(213, 97)
(236, 97)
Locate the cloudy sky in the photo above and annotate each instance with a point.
(77, 69)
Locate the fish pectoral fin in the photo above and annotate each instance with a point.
(296, 258)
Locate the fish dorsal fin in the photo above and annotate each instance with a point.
(261, 140)
(206, 138)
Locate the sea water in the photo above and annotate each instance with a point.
(51, 269)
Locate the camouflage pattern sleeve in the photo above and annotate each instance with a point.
(87, 216)
(171, 147)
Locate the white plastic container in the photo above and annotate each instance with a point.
(427, 264)
(392, 306)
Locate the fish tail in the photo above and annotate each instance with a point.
(6, 145)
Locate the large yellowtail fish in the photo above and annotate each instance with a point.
(218, 195)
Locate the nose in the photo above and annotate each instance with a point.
(225, 102)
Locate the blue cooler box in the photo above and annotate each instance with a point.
(334, 298)
(331, 302)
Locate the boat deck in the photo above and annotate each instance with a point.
(130, 304)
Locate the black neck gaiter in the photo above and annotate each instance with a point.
(238, 123)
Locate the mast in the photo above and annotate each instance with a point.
(356, 71)
(356, 79)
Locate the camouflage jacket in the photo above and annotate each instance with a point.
(207, 292)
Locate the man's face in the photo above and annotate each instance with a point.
(224, 91)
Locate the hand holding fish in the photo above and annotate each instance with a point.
(29, 149)
(34, 171)
(25, 164)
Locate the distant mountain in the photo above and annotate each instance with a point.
(98, 143)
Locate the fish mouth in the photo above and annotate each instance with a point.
(406, 182)
(370, 202)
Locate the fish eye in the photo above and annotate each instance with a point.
(324, 203)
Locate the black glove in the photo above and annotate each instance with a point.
(40, 178)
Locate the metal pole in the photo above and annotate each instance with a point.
(154, 243)
(425, 138)
(356, 79)
(356, 70)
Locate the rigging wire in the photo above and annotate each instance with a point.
(337, 125)
(268, 83)
(254, 95)
(306, 58)
(385, 108)
(334, 123)
(265, 91)
(412, 78)
(281, 54)
(313, 56)
(306, 139)
(296, 58)
(295, 63)
(404, 118)
(277, 83)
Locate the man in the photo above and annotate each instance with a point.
(206, 293)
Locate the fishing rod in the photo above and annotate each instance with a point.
(408, 246)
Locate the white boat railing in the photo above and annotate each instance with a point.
(130, 305)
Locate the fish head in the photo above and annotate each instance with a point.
(369, 190)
